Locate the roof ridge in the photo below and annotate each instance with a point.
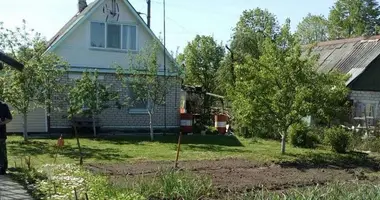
(349, 40)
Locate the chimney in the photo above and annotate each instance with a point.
(82, 4)
(148, 13)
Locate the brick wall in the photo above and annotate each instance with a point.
(367, 97)
(114, 117)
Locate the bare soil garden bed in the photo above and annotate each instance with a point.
(239, 174)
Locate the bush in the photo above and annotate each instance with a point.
(338, 138)
(211, 130)
(302, 136)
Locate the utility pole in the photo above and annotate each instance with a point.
(149, 14)
(165, 61)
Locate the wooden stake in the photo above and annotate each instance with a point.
(178, 149)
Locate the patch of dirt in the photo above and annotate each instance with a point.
(239, 174)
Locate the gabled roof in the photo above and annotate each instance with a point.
(349, 56)
(82, 16)
(70, 23)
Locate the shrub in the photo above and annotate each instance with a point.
(301, 136)
(338, 138)
(211, 130)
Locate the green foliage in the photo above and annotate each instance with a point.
(366, 144)
(353, 18)
(211, 130)
(61, 180)
(349, 190)
(301, 136)
(171, 184)
(281, 87)
(338, 138)
(32, 88)
(144, 80)
(313, 28)
(202, 58)
(251, 31)
(89, 96)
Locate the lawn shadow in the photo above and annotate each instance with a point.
(215, 148)
(34, 148)
(185, 139)
(331, 160)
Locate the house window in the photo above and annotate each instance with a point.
(365, 109)
(129, 37)
(98, 35)
(113, 36)
(136, 106)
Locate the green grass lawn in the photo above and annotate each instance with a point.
(134, 148)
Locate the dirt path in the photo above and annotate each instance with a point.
(239, 174)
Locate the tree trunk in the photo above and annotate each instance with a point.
(78, 143)
(151, 127)
(283, 142)
(93, 124)
(25, 133)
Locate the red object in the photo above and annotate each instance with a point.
(220, 123)
(186, 123)
(60, 142)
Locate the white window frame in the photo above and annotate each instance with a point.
(105, 48)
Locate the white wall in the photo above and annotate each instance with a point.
(76, 47)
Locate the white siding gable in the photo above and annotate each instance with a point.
(76, 47)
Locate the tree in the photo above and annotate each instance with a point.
(202, 58)
(353, 18)
(253, 27)
(144, 80)
(251, 30)
(32, 87)
(280, 88)
(313, 28)
(89, 97)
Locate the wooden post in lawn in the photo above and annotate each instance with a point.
(178, 149)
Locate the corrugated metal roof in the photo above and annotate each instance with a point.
(349, 56)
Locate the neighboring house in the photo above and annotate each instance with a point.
(360, 58)
(97, 37)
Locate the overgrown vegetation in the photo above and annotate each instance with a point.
(170, 184)
(346, 191)
(302, 136)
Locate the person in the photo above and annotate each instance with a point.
(5, 118)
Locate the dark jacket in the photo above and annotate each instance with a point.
(4, 114)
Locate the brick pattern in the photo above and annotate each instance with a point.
(367, 96)
(114, 117)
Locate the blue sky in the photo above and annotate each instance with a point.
(185, 18)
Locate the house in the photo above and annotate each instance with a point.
(98, 36)
(360, 58)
